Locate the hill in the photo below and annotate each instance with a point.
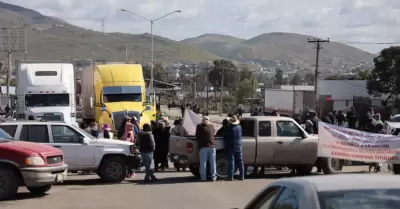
(284, 50)
(51, 38)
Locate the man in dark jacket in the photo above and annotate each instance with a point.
(352, 118)
(340, 118)
(205, 137)
(233, 146)
(147, 145)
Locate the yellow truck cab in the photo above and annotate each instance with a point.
(113, 92)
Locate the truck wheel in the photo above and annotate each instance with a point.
(396, 169)
(331, 165)
(304, 170)
(222, 165)
(8, 184)
(194, 170)
(39, 191)
(113, 169)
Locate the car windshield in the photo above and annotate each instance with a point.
(395, 119)
(5, 137)
(362, 199)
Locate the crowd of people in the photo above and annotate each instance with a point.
(153, 141)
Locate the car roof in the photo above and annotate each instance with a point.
(324, 183)
(32, 122)
(267, 118)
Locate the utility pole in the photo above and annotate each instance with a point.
(208, 84)
(252, 92)
(316, 75)
(12, 40)
(194, 82)
(222, 90)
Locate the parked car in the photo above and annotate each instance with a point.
(28, 164)
(330, 192)
(267, 141)
(83, 152)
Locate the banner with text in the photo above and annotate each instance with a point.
(349, 144)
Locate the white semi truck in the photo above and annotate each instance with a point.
(46, 90)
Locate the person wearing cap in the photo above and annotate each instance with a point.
(106, 132)
(233, 146)
(205, 137)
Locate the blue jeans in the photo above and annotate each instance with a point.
(147, 159)
(235, 158)
(207, 154)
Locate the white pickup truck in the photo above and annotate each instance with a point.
(82, 152)
(267, 141)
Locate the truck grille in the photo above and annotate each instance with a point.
(119, 116)
(54, 159)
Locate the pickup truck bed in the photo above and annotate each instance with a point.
(267, 141)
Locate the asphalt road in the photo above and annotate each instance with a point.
(174, 190)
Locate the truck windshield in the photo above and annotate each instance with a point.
(46, 100)
(122, 98)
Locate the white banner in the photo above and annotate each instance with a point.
(349, 144)
(191, 120)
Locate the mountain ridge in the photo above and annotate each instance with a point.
(53, 38)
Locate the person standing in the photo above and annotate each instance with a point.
(147, 146)
(233, 146)
(106, 132)
(94, 131)
(352, 117)
(340, 118)
(205, 137)
(135, 123)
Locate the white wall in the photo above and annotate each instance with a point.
(343, 89)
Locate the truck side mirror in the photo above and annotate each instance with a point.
(146, 109)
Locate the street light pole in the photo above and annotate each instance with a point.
(152, 58)
(152, 41)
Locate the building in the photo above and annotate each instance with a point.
(341, 92)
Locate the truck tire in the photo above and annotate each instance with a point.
(331, 165)
(221, 164)
(396, 169)
(39, 191)
(194, 169)
(113, 169)
(304, 170)
(8, 184)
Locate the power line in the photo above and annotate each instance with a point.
(366, 43)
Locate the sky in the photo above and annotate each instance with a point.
(347, 21)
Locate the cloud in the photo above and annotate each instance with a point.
(353, 20)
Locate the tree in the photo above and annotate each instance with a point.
(385, 77)
(296, 79)
(158, 72)
(279, 80)
(333, 77)
(245, 73)
(215, 75)
(363, 74)
(245, 90)
(309, 79)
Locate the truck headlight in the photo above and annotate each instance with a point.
(34, 161)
